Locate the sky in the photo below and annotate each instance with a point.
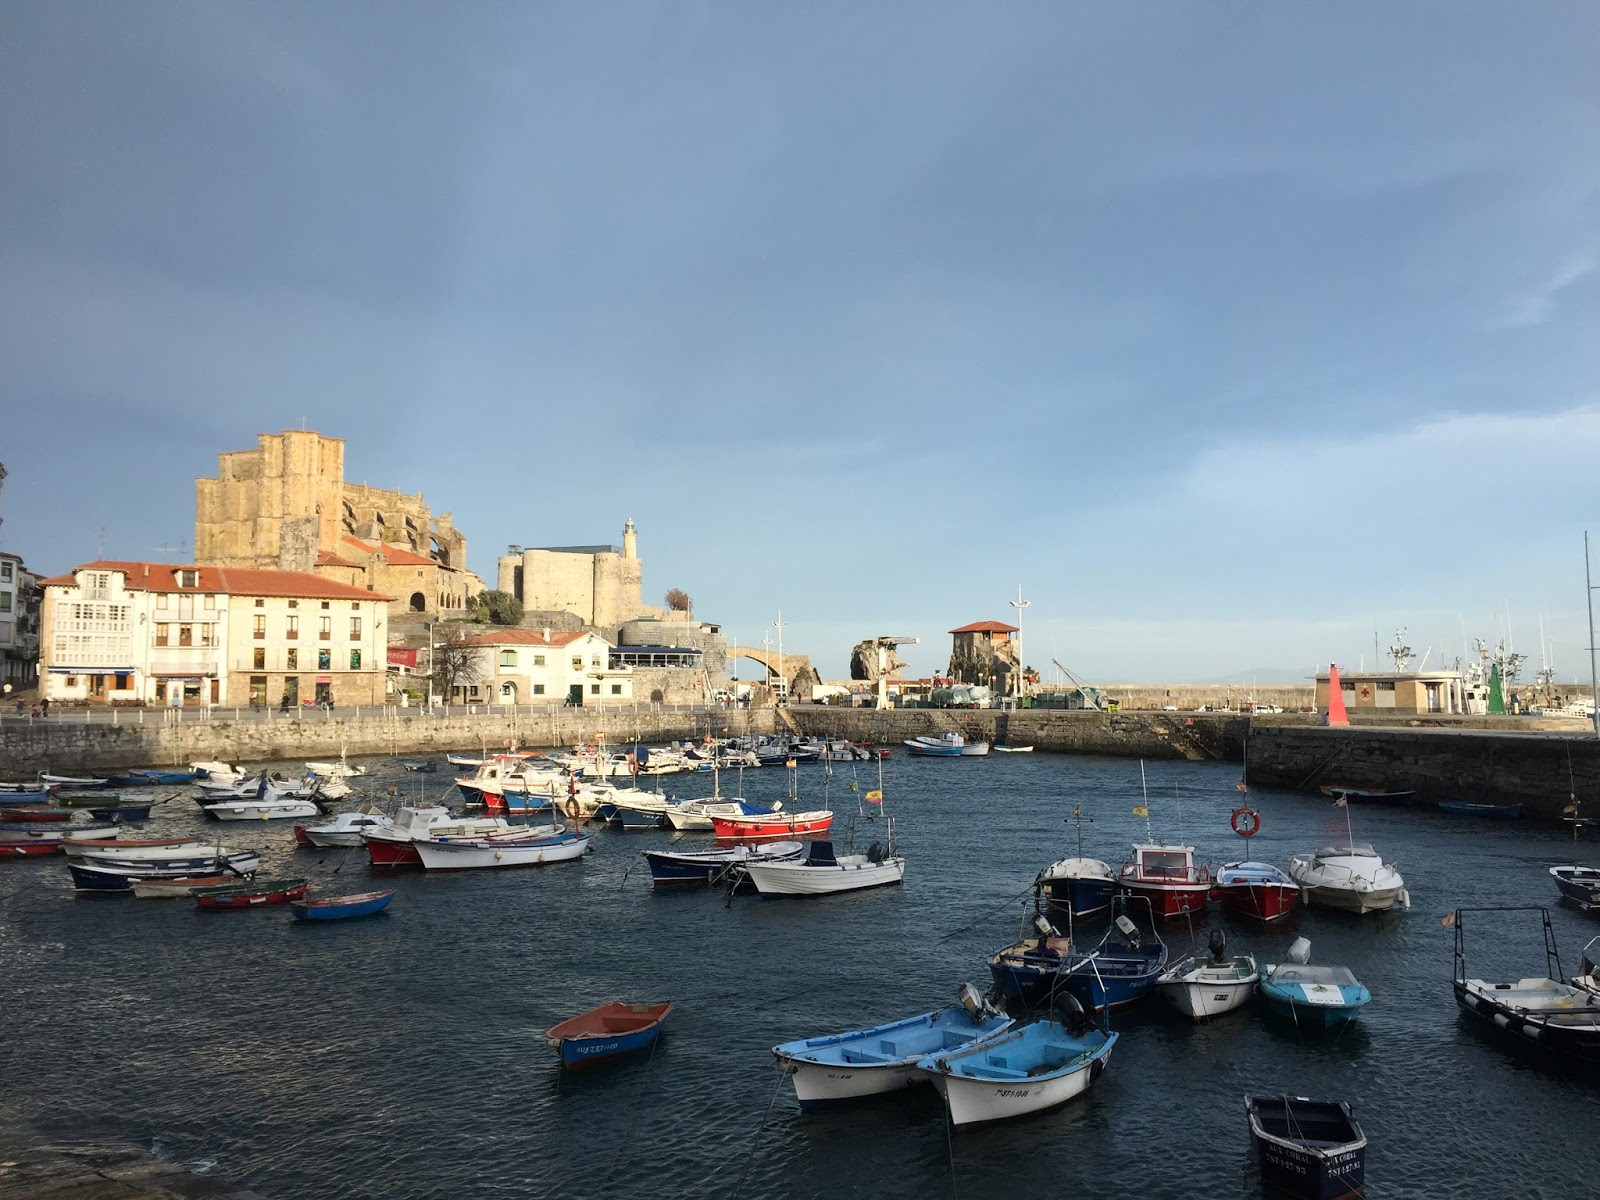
(1236, 335)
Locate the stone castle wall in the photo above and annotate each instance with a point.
(240, 515)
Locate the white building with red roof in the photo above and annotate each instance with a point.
(532, 666)
(197, 636)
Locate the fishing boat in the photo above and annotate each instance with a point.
(344, 830)
(141, 850)
(91, 877)
(1581, 885)
(1307, 1149)
(467, 854)
(607, 1032)
(884, 1058)
(1121, 969)
(72, 781)
(18, 797)
(1256, 889)
(713, 866)
(427, 766)
(778, 825)
(1560, 1016)
(1080, 886)
(1352, 878)
(1019, 1071)
(261, 810)
(111, 840)
(395, 846)
(121, 814)
(1202, 989)
(698, 814)
(150, 777)
(216, 771)
(1313, 997)
(946, 745)
(28, 848)
(341, 908)
(1467, 808)
(463, 760)
(1357, 795)
(821, 871)
(176, 888)
(58, 834)
(999, 749)
(36, 814)
(335, 770)
(255, 894)
(1167, 877)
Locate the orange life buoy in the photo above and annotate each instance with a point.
(633, 765)
(1246, 822)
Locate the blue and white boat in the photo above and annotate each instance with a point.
(1313, 997)
(1581, 885)
(1121, 969)
(1081, 886)
(713, 866)
(607, 1032)
(946, 745)
(1019, 1071)
(19, 799)
(341, 908)
(884, 1058)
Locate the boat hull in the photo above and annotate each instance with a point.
(341, 908)
(609, 1032)
(1581, 885)
(758, 829)
(1005, 1093)
(250, 896)
(1200, 1000)
(1333, 1169)
(473, 856)
(1263, 901)
(1351, 900)
(1079, 895)
(1169, 899)
(1554, 1031)
(800, 879)
(1306, 1015)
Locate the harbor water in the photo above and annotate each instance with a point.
(403, 1056)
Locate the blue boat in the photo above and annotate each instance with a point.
(1313, 997)
(18, 799)
(883, 1058)
(1020, 1071)
(712, 866)
(607, 1032)
(1468, 809)
(150, 778)
(121, 814)
(341, 908)
(1123, 968)
(1581, 885)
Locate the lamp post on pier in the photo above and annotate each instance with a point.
(429, 626)
(1594, 680)
(783, 684)
(1019, 604)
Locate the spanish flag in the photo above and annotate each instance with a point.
(875, 796)
(1140, 810)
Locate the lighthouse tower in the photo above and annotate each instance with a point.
(630, 540)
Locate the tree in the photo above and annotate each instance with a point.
(498, 608)
(678, 600)
(456, 663)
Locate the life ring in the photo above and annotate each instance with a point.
(633, 765)
(1246, 822)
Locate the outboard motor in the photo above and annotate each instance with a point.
(1071, 1012)
(1300, 951)
(1129, 931)
(1218, 943)
(975, 1005)
(1046, 930)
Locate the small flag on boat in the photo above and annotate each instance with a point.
(789, 762)
(855, 785)
(1077, 810)
(1240, 785)
(1448, 920)
(1140, 810)
(1571, 808)
(1341, 802)
(875, 796)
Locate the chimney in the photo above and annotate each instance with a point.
(547, 635)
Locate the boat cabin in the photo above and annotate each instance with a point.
(1163, 862)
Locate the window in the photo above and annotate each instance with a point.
(161, 599)
(161, 632)
(355, 605)
(595, 661)
(260, 630)
(325, 629)
(355, 629)
(188, 578)
(508, 658)
(185, 607)
(577, 662)
(325, 604)
(5, 601)
(291, 659)
(538, 688)
(294, 604)
(208, 635)
(72, 681)
(355, 660)
(258, 660)
(594, 689)
(260, 603)
(5, 572)
(291, 628)
(616, 689)
(185, 635)
(211, 600)
(324, 660)
(538, 660)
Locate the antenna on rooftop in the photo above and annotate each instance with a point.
(100, 543)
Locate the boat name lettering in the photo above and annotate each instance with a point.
(1010, 1092)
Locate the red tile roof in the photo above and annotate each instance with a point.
(398, 556)
(987, 627)
(525, 637)
(324, 559)
(227, 581)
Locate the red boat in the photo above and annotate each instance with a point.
(396, 846)
(252, 895)
(124, 843)
(1167, 877)
(36, 814)
(775, 825)
(1256, 889)
(32, 846)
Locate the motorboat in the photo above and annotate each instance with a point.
(1079, 886)
(1256, 889)
(467, 854)
(344, 830)
(713, 866)
(1351, 877)
(946, 745)
(1121, 968)
(699, 814)
(219, 772)
(1202, 988)
(884, 1058)
(1307, 1149)
(335, 770)
(1548, 1011)
(821, 871)
(1472, 808)
(1581, 885)
(261, 810)
(1167, 877)
(396, 845)
(1018, 1071)
(1313, 997)
(607, 1032)
(120, 877)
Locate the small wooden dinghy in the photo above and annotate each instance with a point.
(341, 908)
(186, 885)
(1311, 1149)
(251, 895)
(1018, 1071)
(607, 1032)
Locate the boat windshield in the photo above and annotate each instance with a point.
(1326, 976)
(1361, 851)
(1164, 862)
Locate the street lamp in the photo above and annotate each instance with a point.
(1019, 604)
(1594, 681)
(428, 625)
(783, 683)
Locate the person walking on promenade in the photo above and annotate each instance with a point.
(44, 706)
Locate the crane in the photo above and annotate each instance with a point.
(1091, 696)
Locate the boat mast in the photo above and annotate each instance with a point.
(1588, 595)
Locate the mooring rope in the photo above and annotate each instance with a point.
(755, 1147)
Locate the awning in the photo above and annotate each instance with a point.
(180, 676)
(91, 670)
(324, 678)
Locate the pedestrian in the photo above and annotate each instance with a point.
(283, 705)
(22, 707)
(330, 699)
(44, 706)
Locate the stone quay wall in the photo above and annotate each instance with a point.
(67, 746)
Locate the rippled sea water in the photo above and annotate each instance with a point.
(404, 1056)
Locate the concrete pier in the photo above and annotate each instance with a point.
(104, 1171)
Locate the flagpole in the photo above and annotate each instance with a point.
(1144, 788)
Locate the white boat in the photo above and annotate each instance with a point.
(1200, 988)
(463, 760)
(946, 745)
(821, 871)
(396, 845)
(884, 1058)
(1352, 878)
(346, 828)
(132, 853)
(72, 781)
(335, 770)
(308, 788)
(473, 853)
(1018, 1071)
(219, 772)
(1013, 749)
(261, 810)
